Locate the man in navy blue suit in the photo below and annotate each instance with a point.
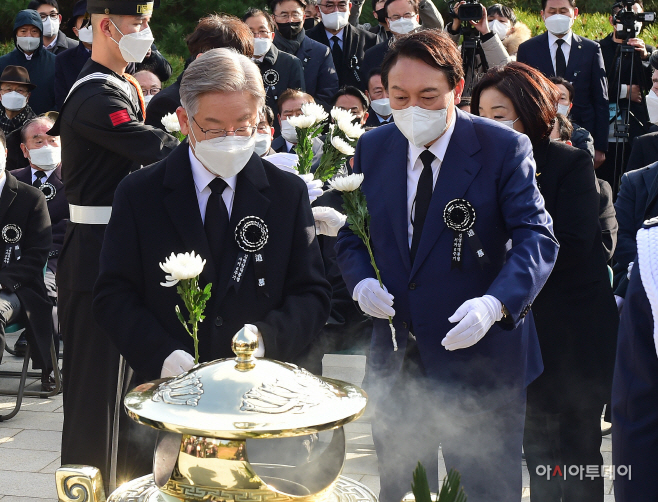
(560, 52)
(459, 295)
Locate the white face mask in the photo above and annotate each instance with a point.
(421, 126)
(261, 46)
(14, 101)
(147, 99)
(499, 28)
(381, 107)
(563, 109)
(652, 107)
(47, 157)
(28, 44)
(263, 143)
(336, 20)
(134, 46)
(403, 26)
(288, 132)
(509, 123)
(558, 24)
(50, 27)
(224, 157)
(86, 35)
(3, 161)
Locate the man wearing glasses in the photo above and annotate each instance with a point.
(319, 70)
(54, 40)
(347, 43)
(279, 69)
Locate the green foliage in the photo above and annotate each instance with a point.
(195, 300)
(451, 490)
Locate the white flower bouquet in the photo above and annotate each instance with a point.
(172, 126)
(309, 125)
(338, 144)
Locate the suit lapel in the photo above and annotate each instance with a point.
(183, 208)
(545, 56)
(8, 194)
(575, 58)
(457, 172)
(56, 178)
(349, 43)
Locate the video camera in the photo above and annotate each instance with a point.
(625, 19)
(469, 11)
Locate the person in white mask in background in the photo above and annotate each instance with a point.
(149, 83)
(380, 112)
(54, 40)
(194, 200)
(580, 137)
(15, 89)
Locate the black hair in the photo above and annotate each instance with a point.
(34, 120)
(414, 5)
(268, 115)
(303, 3)
(572, 4)
(253, 12)
(35, 4)
(350, 90)
(567, 85)
(564, 127)
(503, 11)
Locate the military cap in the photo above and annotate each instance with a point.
(122, 7)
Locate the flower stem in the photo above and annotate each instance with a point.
(195, 336)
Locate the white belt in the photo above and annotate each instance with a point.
(90, 215)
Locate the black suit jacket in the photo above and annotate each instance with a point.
(355, 44)
(586, 71)
(644, 151)
(373, 58)
(373, 121)
(163, 103)
(58, 209)
(155, 213)
(24, 207)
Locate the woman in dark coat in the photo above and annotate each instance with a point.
(575, 313)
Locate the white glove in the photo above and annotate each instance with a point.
(328, 221)
(178, 362)
(620, 303)
(374, 300)
(475, 317)
(314, 187)
(630, 269)
(260, 351)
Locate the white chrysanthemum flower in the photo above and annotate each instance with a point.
(316, 111)
(170, 122)
(350, 129)
(347, 183)
(339, 115)
(342, 146)
(180, 267)
(301, 121)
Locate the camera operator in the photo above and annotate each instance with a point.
(630, 95)
(489, 50)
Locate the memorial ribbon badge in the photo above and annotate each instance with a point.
(459, 216)
(49, 190)
(11, 234)
(251, 235)
(271, 78)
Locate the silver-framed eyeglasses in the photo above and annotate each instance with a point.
(247, 131)
(397, 17)
(332, 6)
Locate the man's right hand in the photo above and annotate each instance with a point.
(178, 362)
(373, 300)
(599, 158)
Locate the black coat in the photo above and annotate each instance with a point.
(607, 219)
(68, 65)
(355, 44)
(155, 63)
(373, 121)
(373, 58)
(63, 43)
(58, 209)
(25, 207)
(644, 151)
(163, 103)
(575, 313)
(155, 213)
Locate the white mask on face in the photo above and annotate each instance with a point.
(28, 44)
(47, 157)
(336, 20)
(419, 125)
(509, 123)
(3, 161)
(499, 28)
(263, 143)
(224, 157)
(134, 46)
(381, 107)
(50, 27)
(288, 132)
(261, 46)
(14, 101)
(652, 107)
(558, 24)
(403, 26)
(563, 109)
(86, 35)
(147, 99)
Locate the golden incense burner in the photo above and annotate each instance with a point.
(237, 430)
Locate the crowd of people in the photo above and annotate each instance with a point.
(512, 190)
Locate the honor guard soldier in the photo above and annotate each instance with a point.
(103, 139)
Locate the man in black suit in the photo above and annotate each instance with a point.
(347, 43)
(644, 151)
(560, 52)
(380, 112)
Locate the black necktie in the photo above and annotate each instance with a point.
(422, 200)
(337, 52)
(216, 222)
(39, 175)
(560, 61)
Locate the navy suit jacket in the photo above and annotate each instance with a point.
(586, 71)
(319, 70)
(68, 65)
(492, 167)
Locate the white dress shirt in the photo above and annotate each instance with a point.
(340, 38)
(289, 147)
(47, 173)
(566, 46)
(3, 180)
(415, 167)
(202, 178)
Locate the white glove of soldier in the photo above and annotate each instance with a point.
(260, 351)
(475, 317)
(314, 187)
(328, 221)
(178, 362)
(374, 300)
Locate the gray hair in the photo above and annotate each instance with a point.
(220, 70)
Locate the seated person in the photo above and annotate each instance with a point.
(15, 90)
(27, 238)
(580, 137)
(379, 112)
(352, 99)
(150, 84)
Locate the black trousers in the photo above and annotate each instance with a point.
(553, 443)
(10, 309)
(410, 424)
